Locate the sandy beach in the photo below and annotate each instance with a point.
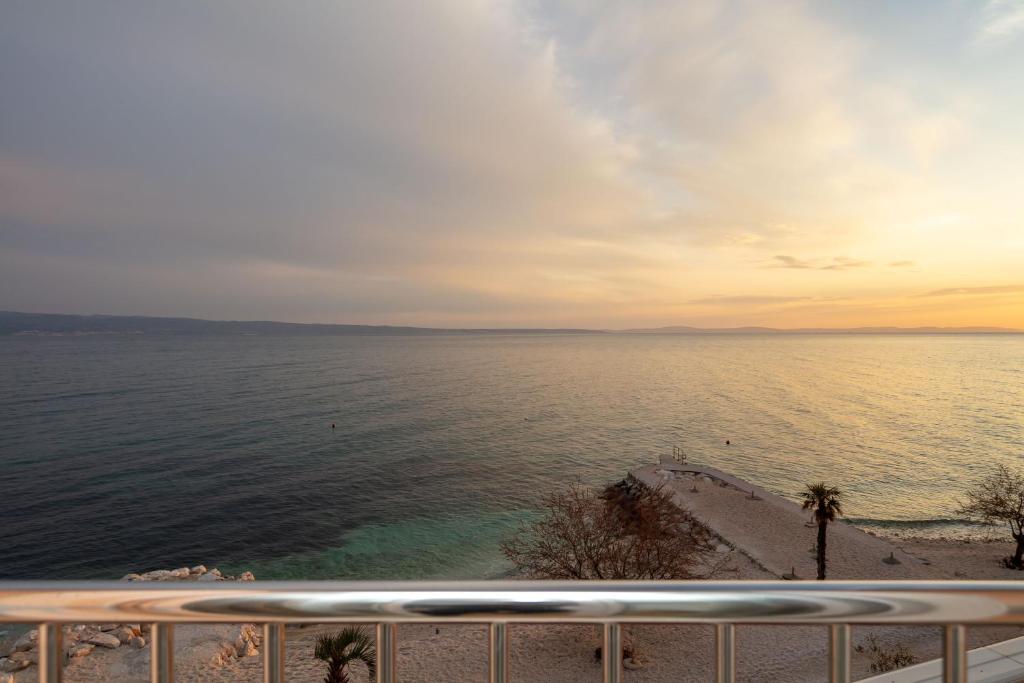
(764, 537)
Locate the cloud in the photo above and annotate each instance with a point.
(901, 264)
(748, 300)
(359, 140)
(754, 123)
(1001, 21)
(783, 261)
(483, 162)
(844, 263)
(429, 148)
(740, 125)
(837, 263)
(975, 291)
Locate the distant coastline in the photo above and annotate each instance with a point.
(60, 324)
(822, 330)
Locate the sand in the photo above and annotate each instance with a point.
(774, 532)
(769, 537)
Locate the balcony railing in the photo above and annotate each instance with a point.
(952, 604)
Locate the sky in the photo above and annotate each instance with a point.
(599, 164)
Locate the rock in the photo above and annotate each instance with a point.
(136, 629)
(146, 628)
(138, 642)
(104, 640)
(123, 634)
(156, 575)
(246, 576)
(107, 627)
(631, 664)
(26, 641)
(9, 665)
(216, 644)
(80, 650)
(7, 678)
(210, 577)
(247, 649)
(215, 571)
(29, 657)
(248, 640)
(198, 569)
(213, 653)
(131, 577)
(179, 573)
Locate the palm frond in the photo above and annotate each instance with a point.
(342, 649)
(825, 500)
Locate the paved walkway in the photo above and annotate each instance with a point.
(775, 532)
(999, 663)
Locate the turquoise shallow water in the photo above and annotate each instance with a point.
(130, 453)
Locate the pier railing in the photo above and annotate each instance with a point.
(954, 605)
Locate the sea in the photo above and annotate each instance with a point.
(401, 457)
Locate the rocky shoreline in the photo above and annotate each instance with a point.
(214, 644)
(197, 573)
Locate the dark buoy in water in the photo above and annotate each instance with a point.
(727, 442)
(332, 425)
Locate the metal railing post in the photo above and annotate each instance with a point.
(612, 653)
(386, 637)
(50, 653)
(498, 652)
(725, 653)
(273, 653)
(839, 653)
(954, 654)
(161, 653)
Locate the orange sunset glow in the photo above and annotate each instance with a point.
(791, 164)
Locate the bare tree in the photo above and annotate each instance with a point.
(999, 499)
(628, 531)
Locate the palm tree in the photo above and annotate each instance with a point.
(826, 501)
(341, 649)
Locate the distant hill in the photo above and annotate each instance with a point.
(681, 329)
(53, 324)
(57, 324)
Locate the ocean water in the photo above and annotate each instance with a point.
(129, 453)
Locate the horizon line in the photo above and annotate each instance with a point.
(667, 329)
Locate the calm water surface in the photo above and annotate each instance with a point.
(132, 453)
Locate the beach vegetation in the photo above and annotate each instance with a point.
(885, 658)
(999, 499)
(826, 503)
(626, 531)
(342, 649)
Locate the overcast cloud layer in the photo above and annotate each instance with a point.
(504, 164)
